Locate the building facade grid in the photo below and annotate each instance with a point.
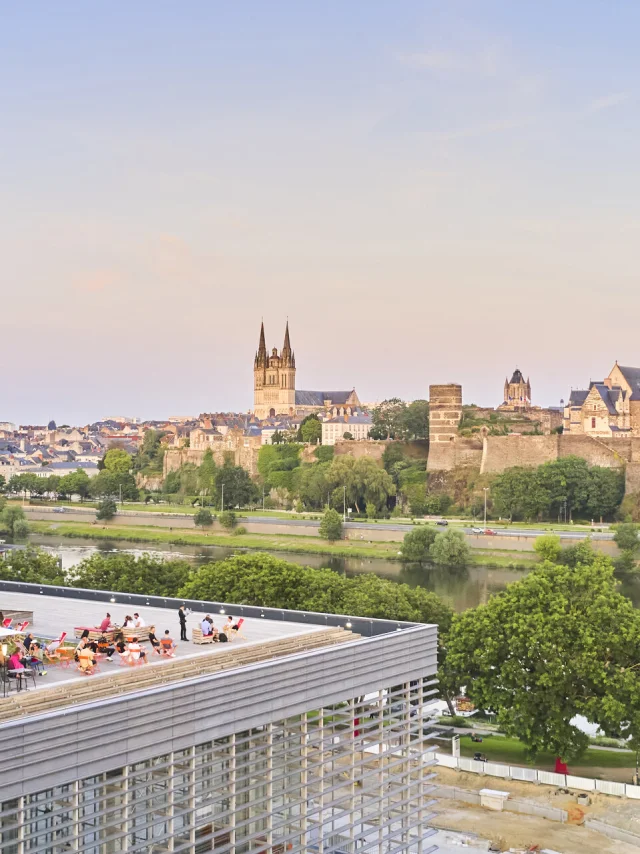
(345, 778)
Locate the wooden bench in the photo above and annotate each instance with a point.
(198, 637)
(142, 633)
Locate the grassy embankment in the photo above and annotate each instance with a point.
(512, 752)
(296, 544)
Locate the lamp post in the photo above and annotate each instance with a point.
(344, 506)
(222, 502)
(486, 489)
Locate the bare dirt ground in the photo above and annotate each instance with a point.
(514, 830)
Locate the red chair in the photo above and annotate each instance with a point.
(20, 628)
(237, 632)
(6, 624)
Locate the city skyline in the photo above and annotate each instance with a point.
(432, 193)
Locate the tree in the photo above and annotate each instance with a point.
(387, 419)
(548, 547)
(171, 483)
(416, 544)
(150, 455)
(13, 516)
(626, 537)
(32, 566)
(21, 529)
(112, 484)
(3, 483)
(76, 483)
(365, 482)
(117, 461)
(228, 519)
(518, 494)
(310, 430)
(347, 435)
(312, 485)
(126, 573)
(106, 509)
(605, 492)
(415, 420)
(278, 438)
(559, 643)
(207, 473)
(260, 579)
(450, 549)
(239, 489)
(331, 525)
(203, 518)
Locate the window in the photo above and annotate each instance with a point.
(593, 423)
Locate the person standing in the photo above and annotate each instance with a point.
(182, 616)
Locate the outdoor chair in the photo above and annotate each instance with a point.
(236, 632)
(6, 624)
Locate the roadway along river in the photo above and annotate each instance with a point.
(177, 520)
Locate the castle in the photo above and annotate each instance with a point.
(607, 409)
(274, 386)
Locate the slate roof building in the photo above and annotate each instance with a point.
(608, 408)
(517, 393)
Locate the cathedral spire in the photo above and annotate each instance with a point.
(287, 355)
(261, 355)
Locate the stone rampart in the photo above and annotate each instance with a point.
(444, 456)
(245, 456)
(502, 452)
(370, 449)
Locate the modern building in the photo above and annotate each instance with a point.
(308, 735)
(274, 385)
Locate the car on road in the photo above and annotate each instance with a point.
(59, 509)
(477, 530)
(442, 522)
(489, 532)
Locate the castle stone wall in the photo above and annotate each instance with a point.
(445, 412)
(632, 479)
(502, 452)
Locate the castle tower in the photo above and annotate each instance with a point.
(274, 379)
(445, 412)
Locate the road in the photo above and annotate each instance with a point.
(84, 514)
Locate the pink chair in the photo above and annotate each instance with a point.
(238, 631)
(22, 626)
(6, 624)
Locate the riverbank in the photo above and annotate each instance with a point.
(295, 544)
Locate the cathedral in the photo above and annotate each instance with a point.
(274, 386)
(517, 393)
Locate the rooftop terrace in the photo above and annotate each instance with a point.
(264, 639)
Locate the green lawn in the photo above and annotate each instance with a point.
(512, 752)
(264, 542)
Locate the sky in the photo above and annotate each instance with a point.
(430, 192)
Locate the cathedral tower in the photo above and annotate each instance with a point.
(274, 379)
(517, 393)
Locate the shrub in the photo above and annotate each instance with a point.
(203, 517)
(626, 536)
(371, 511)
(450, 549)
(239, 531)
(106, 509)
(548, 547)
(416, 544)
(228, 519)
(20, 529)
(331, 526)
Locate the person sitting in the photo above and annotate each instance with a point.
(153, 640)
(167, 645)
(52, 650)
(106, 624)
(82, 644)
(206, 625)
(34, 659)
(26, 642)
(138, 622)
(135, 653)
(128, 622)
(16, 663)
(213, 631)
(86, 659)
(105, 648)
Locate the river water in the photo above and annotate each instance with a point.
(460, 588)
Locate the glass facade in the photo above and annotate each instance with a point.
(352, 777)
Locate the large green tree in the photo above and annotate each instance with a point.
(416, 544)
(76, 483)
(331, 525)
(32, 566)
(450, 549)
(117, 461)
(365, 482)
(559, 643)
(127, 573)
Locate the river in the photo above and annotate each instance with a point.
(460, 588)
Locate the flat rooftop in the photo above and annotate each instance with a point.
(264, 639)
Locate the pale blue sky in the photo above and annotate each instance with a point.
(432, 192)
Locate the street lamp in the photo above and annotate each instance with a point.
(344, 506)
(486, 489)
(222, 502)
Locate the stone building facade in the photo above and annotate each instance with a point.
(517, 393)
(607, 409)
(274, 385)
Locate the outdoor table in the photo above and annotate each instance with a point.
(19, 672)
